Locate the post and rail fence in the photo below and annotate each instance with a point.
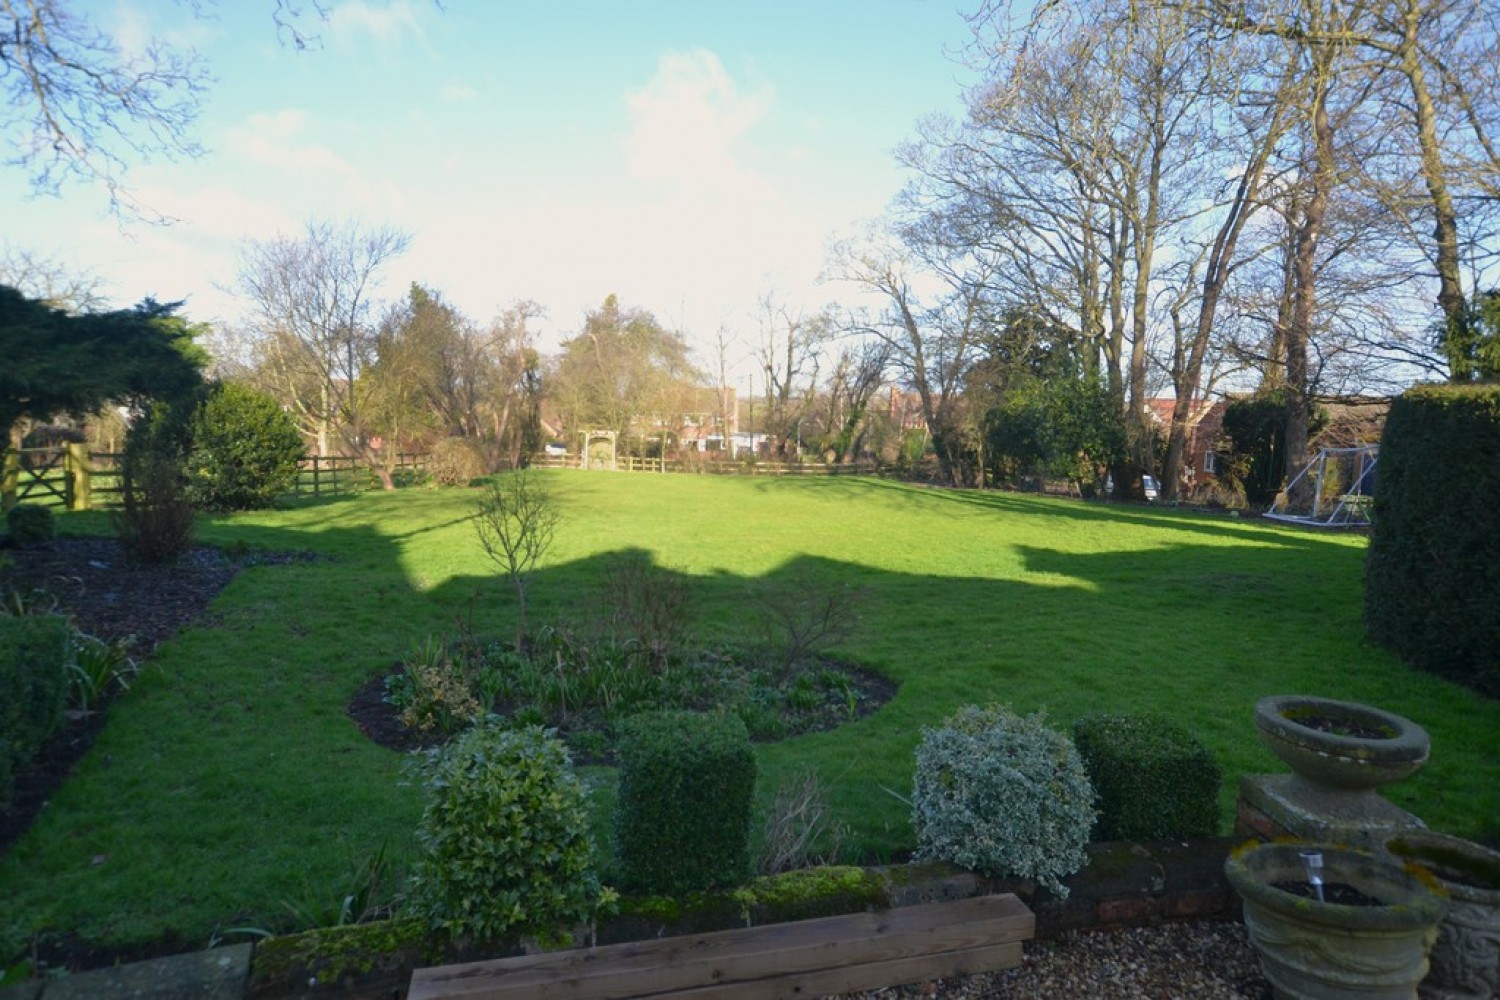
(71, 477)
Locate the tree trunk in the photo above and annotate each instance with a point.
(1304, 263)
(1445, 216)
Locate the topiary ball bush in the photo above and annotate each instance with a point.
(245, 450)
(1154, 780)
(505, 845)
(682, 822)
(30, 524)
(1002, 794)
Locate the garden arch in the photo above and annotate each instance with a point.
(599, 448)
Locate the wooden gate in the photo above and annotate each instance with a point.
(54, 476)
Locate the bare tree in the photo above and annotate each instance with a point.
(515, 521)
(311, 297)
(858, 373)
(791, 343)
(931, 340)
(79, 105)
(51, 281)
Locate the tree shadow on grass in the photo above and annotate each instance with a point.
(238, 747)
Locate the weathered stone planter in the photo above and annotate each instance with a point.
(1312, 950)
(1340, 753)
(1466, 958)
(1337, 761)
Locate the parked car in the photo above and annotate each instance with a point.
(554, 448)
(1148, 484)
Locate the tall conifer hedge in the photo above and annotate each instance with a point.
(1432, 577)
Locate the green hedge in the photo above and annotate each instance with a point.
(1154, 780)
(33, 688)
(30, 524)
(1432, 575)
(683, 818)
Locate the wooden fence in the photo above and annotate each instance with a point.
(630, 463)
(71, 477)
(62, 476)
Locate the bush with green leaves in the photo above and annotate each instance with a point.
(34, 656)
(1432, 591)
(245, 449)
(457, 461)
(1154, 780)
(30, 524)
(682, 821)
(504, 839)
(437, 691)
(1002, 794)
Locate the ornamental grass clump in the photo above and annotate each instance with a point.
(505, 845)
(1002, 794)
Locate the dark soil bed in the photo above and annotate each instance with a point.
(381, 722)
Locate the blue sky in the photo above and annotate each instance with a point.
(688, 156)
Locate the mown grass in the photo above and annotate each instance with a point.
(230, 783)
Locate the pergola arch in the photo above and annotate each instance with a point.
(599, 449)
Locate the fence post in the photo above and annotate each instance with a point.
(76, 468)
(10, 478)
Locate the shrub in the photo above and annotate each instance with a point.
(652, 607)
(155, 520)
(1002, 794)
(456, 461)
(797, 831)
(34, 653)
(30, 524)
(504, 837)
(1154, 780)
(245, 450)
(436, 693)
(682, 822)
(804, 615)
(1432, 592)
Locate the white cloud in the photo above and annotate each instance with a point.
(689, 123)
(388, 24)
(458, 93)
(272, 138)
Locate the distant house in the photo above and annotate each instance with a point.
(1205, 424)
(709, 416)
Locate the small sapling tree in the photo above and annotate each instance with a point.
(515, 521)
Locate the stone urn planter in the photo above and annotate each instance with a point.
(1369, 939)
(1340, 746)
(1466, 958)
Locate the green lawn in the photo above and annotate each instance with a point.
(229, 782)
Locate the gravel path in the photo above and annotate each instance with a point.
(1179, 961)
